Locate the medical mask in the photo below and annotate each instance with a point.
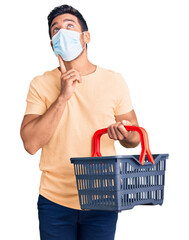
(66, 43)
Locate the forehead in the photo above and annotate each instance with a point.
(63, 17)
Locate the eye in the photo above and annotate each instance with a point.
(55, 30)
(70, 26)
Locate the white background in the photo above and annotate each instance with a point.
(146, 41)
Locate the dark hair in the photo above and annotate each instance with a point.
(66, 9)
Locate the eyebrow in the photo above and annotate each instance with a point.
(65, 20)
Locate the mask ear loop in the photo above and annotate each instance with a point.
(85, 42)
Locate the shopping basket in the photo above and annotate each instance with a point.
(116, 183)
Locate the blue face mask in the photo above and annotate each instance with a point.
(66, 43)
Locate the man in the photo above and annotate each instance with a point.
(65, 107)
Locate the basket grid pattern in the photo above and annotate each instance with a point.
(127, 200)
(119, 183)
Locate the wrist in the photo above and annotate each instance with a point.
(61, 100)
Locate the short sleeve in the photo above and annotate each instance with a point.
(35, 102)
(124, 103)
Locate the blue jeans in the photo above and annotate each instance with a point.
(57, 222)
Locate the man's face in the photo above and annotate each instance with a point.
(69, 22)
(65, 21)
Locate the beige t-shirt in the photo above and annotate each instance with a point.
(94, 104)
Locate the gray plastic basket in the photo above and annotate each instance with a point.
(117, 183)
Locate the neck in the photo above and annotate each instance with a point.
(81, 64)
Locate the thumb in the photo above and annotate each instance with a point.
(125, 122)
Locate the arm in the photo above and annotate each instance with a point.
(37, 130)
(117, 131)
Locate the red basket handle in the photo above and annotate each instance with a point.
(145, 149)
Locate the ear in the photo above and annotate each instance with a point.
(86, 37)
(51, 45)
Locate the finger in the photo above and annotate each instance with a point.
(73, 79)
(68, 75)
(118, 133)
(126, 123)
(71, 71)
(113, 133)
(122, 130)
(62, 66)
(71, 75)
(109, 132)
